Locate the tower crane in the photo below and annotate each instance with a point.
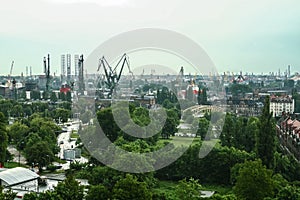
(112, 76)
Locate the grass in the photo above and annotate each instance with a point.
(187, 141)
(56, 159)
(169, 187)
(13, 165)
(184, 141)
(74, 135)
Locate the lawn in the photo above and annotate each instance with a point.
(169, 187)
(13, 165)
(184, 141)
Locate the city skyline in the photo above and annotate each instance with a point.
(256, 36)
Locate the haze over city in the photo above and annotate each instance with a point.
(249, 36)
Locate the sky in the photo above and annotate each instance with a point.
(257, 36)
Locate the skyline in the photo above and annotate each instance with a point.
(256, 36)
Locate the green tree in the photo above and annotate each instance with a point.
(3, 138)
(17, 111)
(69, 189)
(86, 116)
(254, 181)
(227, 136)
(35, 95)
(7, 195)
(289, 193)
(98, 192)
(17, 132)
(108, 124)
(38, 151)
(203, 125)
(53, 97)
(202, 96)
(69, 96)
(61, 115)
(131, 188)
(265, 144)
(251, 131)
(170, 126)
(188, 190)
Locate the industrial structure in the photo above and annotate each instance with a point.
(112, 76)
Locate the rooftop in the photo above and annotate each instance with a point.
(16, 176)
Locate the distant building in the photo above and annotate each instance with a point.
(76, 65)
(4, 91)
(63, 65)
(281, 104)
(68, 66)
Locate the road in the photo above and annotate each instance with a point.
(64, 143)
(16, 154)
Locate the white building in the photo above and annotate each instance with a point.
(76, 64)
(281, 104)
(63, 65)
(20, 180)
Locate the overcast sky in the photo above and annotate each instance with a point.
(253, 36)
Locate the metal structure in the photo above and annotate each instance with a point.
(112, 76)
(81, 85)
(47, 71)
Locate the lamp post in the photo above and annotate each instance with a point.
(48, 159)
(21, 146)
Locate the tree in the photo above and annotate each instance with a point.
(86, 116)
(17, 132)
(254, 181)
(53, 97)
(3, 138)
(170, 126)
(69, 189)
(188, 190)
(265, 143)
(98, 192)
(108, 124)
(61, 115)
(35, 95)
(251, 131)
(131, 188)
(289, 193)
(69, 96)
(38, 151)
(227, 135)
(190, 94)
(203, 125)
(202, 96)
(7, 195)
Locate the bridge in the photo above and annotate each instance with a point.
(199, 110)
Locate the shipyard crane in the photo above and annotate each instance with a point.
(112, 76)
(9, 82)
(11, 68)
(47, 71)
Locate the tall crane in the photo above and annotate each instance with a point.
(11, 68)
(9, 81)
(112, 76)
(47, 72)
(81, 84)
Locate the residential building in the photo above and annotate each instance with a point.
(281, 104)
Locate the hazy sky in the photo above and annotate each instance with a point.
(254, 36)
